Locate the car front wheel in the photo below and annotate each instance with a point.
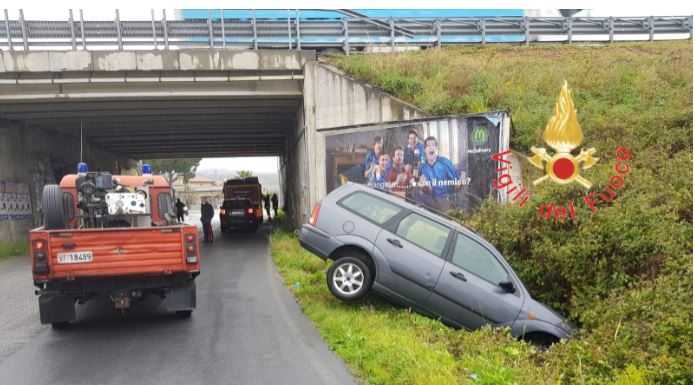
(349, 279)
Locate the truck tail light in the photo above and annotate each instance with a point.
(315, 214)
(39, 249)
(190, 246)
(250, 211)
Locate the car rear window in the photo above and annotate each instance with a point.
(237, 204)
(370, 207)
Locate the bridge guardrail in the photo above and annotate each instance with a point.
(347, 34)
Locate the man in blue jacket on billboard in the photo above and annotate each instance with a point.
(438, 175)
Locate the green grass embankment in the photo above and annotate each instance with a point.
(624, 273)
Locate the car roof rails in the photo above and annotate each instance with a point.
(425, 207)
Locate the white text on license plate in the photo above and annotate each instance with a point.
(237, 213)
(75, 257)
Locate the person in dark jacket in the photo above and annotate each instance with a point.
(274, 201)
(266, 202)
(206, 214)
(179, 210)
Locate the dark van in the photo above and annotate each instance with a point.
(242, 207)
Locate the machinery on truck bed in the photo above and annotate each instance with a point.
(243, 204)
(112, 236)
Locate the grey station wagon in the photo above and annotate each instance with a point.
(417, 258)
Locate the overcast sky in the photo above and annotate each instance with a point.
(257, 164)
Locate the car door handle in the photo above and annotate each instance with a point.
(395, 242)
(458, 275)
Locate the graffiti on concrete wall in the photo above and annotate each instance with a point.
(15, 201)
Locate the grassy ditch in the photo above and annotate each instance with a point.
(623, 273)
(384, 344)
(11, 249)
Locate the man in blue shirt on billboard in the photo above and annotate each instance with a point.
(437, 175)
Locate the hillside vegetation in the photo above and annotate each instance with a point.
(623, 273)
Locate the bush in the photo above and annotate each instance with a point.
(11, 249)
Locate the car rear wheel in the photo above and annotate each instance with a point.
(349, 278)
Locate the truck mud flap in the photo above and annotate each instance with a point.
(56, 308)
(180, 298)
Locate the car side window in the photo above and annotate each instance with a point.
(423, 232)
(473, 257)
(370, 207)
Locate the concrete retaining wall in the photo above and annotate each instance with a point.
(333, 99)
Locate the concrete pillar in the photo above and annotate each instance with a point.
(331, 100)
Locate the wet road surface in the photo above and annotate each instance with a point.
(247, 329)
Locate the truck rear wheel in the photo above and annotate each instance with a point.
(53, 207)
(181, 299)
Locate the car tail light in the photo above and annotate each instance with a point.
(222, 211)
(249, 211)
(39, 249)
(315, 214)
(190, 246)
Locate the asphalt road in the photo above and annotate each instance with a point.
(247, 329)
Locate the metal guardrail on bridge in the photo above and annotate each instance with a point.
(347, 34)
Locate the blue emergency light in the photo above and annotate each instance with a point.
(82, 168)
(146, 169)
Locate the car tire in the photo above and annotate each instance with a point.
(349, 278)
(53, 206)
(541, 341)
(184, 313)
(60, 325)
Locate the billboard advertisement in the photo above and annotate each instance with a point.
(441, 162)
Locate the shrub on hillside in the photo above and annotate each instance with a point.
(622, 272)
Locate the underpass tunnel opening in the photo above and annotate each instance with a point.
(46, 140)
(233, 183)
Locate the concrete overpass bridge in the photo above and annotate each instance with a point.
(213, 102)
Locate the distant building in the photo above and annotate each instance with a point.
(197, 188)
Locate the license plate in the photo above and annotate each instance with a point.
(76, 257)
(238, 213)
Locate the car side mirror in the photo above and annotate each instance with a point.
(507, 286)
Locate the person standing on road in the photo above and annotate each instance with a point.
(206, 214)
(266, 202)
(179, 210)
(274, 201)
